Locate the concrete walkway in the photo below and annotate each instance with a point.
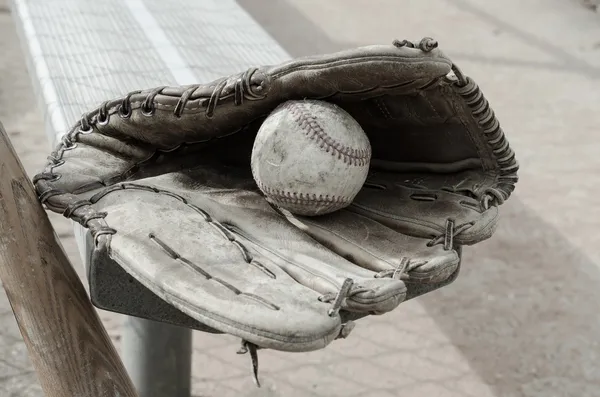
(522, 319)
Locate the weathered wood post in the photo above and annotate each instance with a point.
(68, 345)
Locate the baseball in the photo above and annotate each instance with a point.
(310, 157)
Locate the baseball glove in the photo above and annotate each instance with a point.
(162, 179)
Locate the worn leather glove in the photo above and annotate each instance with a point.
(161, 177)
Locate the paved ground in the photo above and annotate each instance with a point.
(521, 321)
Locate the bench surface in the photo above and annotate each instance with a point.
(83, 52)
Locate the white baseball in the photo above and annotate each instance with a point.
(310, 157)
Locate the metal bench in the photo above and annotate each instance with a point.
(82, 52)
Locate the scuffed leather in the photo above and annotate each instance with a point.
(162, 179)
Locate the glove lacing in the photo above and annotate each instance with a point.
(242, 88)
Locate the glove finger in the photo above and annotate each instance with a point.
(427, 210)
(377, 247)
(327, 272)
(246, 213)
(193, 263)
(415, 289)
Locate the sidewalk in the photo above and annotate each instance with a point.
(521, 320)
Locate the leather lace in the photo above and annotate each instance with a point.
(242, 89)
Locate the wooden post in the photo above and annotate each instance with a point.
(68, 345)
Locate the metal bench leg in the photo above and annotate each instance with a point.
(158, 357)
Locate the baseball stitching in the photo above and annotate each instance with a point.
(313, 130)
(302, 198)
